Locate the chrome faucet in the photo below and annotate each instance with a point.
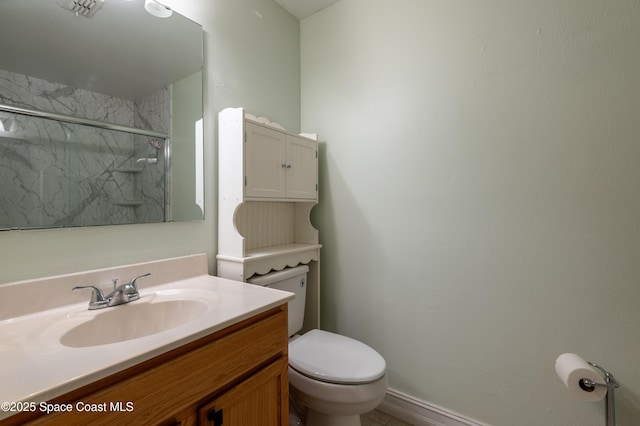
(124, 293)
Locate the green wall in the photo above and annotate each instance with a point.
(479, 196)
(185, 114)
(478, 188)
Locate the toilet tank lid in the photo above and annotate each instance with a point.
(277, 276)
(334, 358)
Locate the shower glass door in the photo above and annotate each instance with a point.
(58, 174)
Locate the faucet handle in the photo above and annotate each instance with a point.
(132, 283)
(98, 300)
(129, 292)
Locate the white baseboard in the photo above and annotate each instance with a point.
(420, 413)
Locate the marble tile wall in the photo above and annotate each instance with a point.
(59, 174)
(153, 113)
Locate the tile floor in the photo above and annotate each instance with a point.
(378, 418)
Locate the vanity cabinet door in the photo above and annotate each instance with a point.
(265, 162)
(260, 400)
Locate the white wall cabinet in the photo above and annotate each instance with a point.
(268, 184)
(279, 165)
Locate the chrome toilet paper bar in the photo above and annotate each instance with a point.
(609, 382)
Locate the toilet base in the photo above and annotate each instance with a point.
(330, 404)
(315, 418)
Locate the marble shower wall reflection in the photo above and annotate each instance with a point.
(60, 174)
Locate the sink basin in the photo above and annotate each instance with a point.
(133, 320)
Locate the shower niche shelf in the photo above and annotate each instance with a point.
(129, 170)
(268, 185)
(128, 203)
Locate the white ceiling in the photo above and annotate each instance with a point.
(303, 8)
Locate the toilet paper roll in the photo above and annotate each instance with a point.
(571, 369)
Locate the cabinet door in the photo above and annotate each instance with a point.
(265, 162)
(261, 400)
(301, 168)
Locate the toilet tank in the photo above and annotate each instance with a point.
(293, 280)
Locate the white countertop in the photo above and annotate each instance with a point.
(35, 366)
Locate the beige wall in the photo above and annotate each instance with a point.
(480, 196)
(251, 62)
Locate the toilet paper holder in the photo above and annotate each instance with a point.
(610, 383)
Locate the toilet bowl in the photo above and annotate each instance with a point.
(335, 377)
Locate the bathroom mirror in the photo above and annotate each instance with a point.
(100, 114)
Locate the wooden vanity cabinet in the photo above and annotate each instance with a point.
(236, 376)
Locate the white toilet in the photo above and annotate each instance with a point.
(335, 377)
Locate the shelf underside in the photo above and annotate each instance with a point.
(265, 259)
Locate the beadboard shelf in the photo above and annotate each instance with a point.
(266, 259)
(274, 251)
(285, 249)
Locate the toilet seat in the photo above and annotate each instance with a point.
(333, 358)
